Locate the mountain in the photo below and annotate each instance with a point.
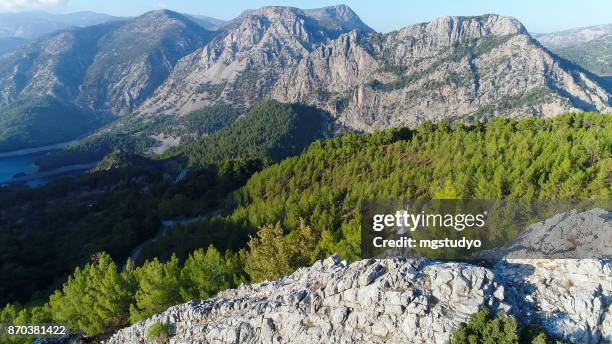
(241, 65)
(124, 206)
(34, 123)
(32, 25)
(209, 23)
(589, 47)
(8, 44)
(268, 131)
(452, 67)
(105, 69)
(572, 37)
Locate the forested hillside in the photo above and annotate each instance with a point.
(270, 130)
(563, 158)
(308, 206)
(28, 123)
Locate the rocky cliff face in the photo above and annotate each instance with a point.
(107, 68)
(242, 64)
(397, 300)
(451, 67)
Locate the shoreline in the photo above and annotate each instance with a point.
(28, 151)
(51, 173)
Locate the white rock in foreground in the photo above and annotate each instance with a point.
(396, 300)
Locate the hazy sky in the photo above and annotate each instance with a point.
(537, 15)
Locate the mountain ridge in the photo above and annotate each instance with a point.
(451, 68)
(400, 78)
(106, 69)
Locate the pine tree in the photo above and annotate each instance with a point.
(95, 299)
(159, 288)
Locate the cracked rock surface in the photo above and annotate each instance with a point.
(396, 300)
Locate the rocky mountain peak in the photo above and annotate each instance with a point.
(453, 29)
(451, 67)
(162, 19)
(341, 17)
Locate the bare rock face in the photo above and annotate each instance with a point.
(398, 300)
(569, 235)
(243, 63)
(452, 67)
(570, 298)
(373, 301)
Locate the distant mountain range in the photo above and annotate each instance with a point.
(167, 64)
(20, 27)
(590, 47)
(32, 25)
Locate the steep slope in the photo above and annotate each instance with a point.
(595, 55)
(208, 23)
(451, 67)
(136, 57)
(108, 68)
(589, 47)
(268, 131)
(8, 44)
(27, 123)
(241, 65)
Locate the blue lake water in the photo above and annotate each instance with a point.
(24, 163)
(10, 166)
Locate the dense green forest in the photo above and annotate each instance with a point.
(308, 206)
(567, 157)
(33, 123)
(125, 201)
(269, 131)
(110, 211)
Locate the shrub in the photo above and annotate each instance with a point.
(485, 328)
(159, 333)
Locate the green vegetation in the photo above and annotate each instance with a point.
(95, 299)
(595, 55)
(285, 216)
(34, 123)
(272, 255)
(567, 157)
(110, 211)
(159, 333)
(101, 298)
(269, 131)
(501, 329)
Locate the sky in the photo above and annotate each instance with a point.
(382, 15)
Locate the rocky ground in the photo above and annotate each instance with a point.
(397, 300)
